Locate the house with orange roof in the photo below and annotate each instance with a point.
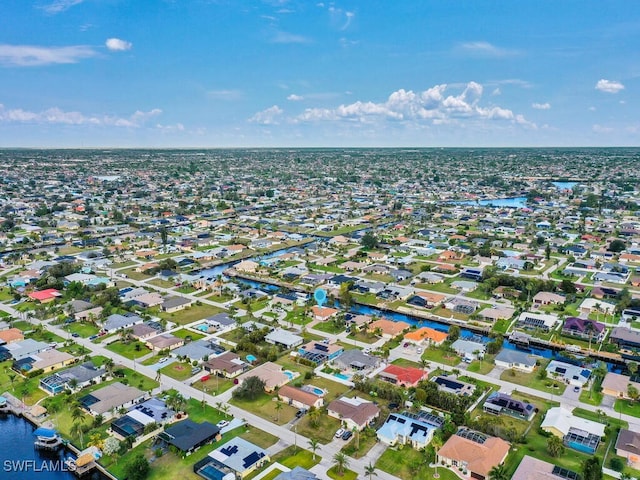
(299, 397)
(474, 452)
(403, 376)
(426, 335)
(449, 255)
(11, 335)
(323, 313)
(388, 328)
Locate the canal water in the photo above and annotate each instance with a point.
(19, 460)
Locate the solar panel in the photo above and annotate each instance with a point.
(564, 473)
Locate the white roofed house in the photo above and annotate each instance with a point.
(533, 321)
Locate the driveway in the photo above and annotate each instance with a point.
(158, 365)
(570, 394)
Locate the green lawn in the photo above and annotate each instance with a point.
(501, 326)
(483, 366)
(403, 362)
(323, 433)
(131, 350)
(3, 314)
(628, 407)
(83, 329)
(45, 336)
(441, 355)
(158, 282)
(345, 475)
(186, 289)
(215, 385)
(139, 276)
(532, 380)
(184, 333)
(296, 457)
(437, 287)
(5, 294)
(410, 464)
(264, 406)
(191, 314)
(334, 389)
(329, 327)
(129, 263)
(363, 337)
(178, 370)
(358, 449)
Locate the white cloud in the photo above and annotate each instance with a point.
(60, 6)
(486, 49)
(33, 56)
(601, 129)
(285, 37)
(541, 106)
(118, 45)
(229, 95)
(176, 128)
(496, 92)
(268, 116)
(56, 115)
(609, 86)
(431, 105)
(592, 109)
(295, 98)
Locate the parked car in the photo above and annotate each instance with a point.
(339, 433)
(576, 389)
(222, 423)
(75, 335)
(163, 359)
(300, 413)
(93, 337)
(347, 435)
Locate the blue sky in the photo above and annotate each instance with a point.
(234, 73)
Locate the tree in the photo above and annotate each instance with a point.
(77, 430)
(617, 246)
(555, 447)
(592, 469)
(632, 392)
(547, 252)
(633, 368)
(313, 445)
(250, 389)
(370, 470)
(369, 241)
(436, 443)
(499, 472)
(279, 408)
(111, 445)
(568, 287)
(341, 461)
(137, 469)
(454, 333)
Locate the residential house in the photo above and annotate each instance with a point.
(584, 329)
(283, 338)
(450, 384)
(222, 322)
(628, 446)
(323, 313)
(469, 350)
(542, 321)
(164, 341)
(111, 398)
(270, 373)
(533, 469)
(502, 404)
(617, 385)
(425, 336)
(402, 376)
(354, 413)
(547, 298)
(143, 331)
(235, 459)
(401, 429)
(499, 312)
(576, 432)
(133, 423)
(25, 348)
(76, 377)
(188, 436)
(247, 266)
(175, 304)
(297, 473)
(300, 397)
(227, 365)
(625, 337)
(45, 296)
(592, 305)
(47, 360)
(11, 335)
(320, 352)
(355, 359)
(426, 299)
(474, 452)
(570, 374)
(388, 328)
(115, 322)
(198, 350)
(515, 359)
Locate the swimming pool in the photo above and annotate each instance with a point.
(211, 473)
(251, 358)
(289, 374)
(341, 376)
(203, 328)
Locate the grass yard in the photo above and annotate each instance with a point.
(501, 326)
(186, 289)
(345, 475)
(158, 282)
(184, 333)
(44, 336)
(132, 274)
(440, 355)
(410, 464)
(131, 350)
(129, 263)
(177, 370)
(215, 385)
(483, 366)
(532, 380)
(334, 389)
(437, 287)
(364, 337)
(265, 406)
(5, 294)
(83, 329)
(403, 362)
(323, 433)
(445, 313)
(296, 457)
(627, 407)
(191, 314)
(329, 327)
(361, 448)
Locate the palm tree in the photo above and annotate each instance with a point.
(436, 443)
(341, 461)
(313, 445)
(108, 366)
(555, 446)
(78, 431)
(278, 407)
(370, 470)
(498, 473)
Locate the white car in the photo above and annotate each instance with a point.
(339, 433)
(163, 359)
(222, 423)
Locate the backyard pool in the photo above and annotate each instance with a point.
(315, 390)
(341, 376)
(289, 374)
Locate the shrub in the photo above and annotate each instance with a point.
(616, 464)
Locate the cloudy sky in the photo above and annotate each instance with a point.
(234, 73)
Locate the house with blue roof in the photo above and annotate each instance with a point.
(404, 429)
